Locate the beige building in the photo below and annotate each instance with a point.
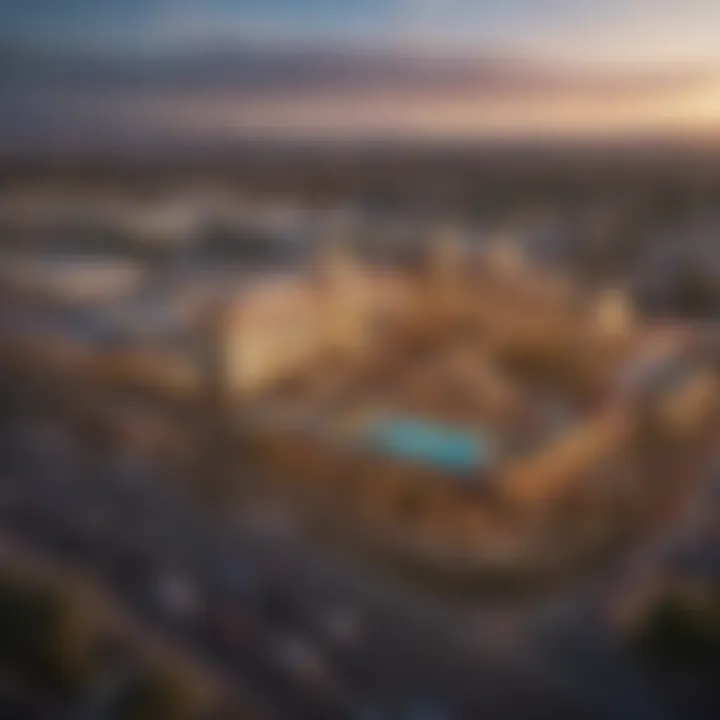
(284, 325)
(272, 331)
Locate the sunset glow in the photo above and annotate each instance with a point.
(390, 68)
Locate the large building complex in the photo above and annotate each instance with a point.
(461, 401)
(466, 382)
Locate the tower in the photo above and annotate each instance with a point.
(343, 296)
(446, 276)
(614, 314)
(504, 256)
(446, 259)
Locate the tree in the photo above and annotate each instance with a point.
(45, 637)
(681, 630)
(151, 696)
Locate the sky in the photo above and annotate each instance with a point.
(607, 30)
(343, 68)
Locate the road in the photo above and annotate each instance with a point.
(262, 594)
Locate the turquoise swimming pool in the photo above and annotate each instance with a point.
(448, 448)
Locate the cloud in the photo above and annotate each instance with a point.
(250, 68)
(311, 91)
